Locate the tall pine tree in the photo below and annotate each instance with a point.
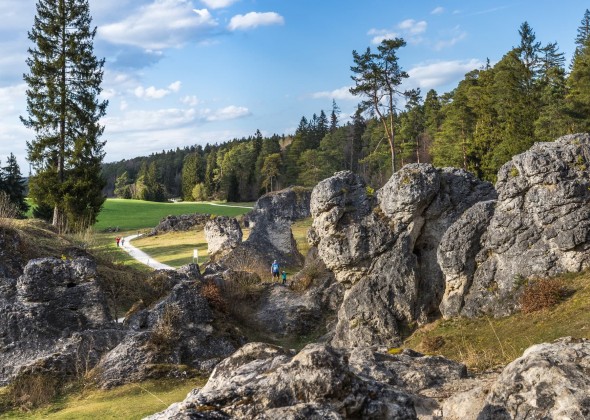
(64, 109)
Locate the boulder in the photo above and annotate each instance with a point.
(54, 317)
(539, 227)
(265, 381)
(270, 232)
(173, 337)
(180, 223)
(549, 381)
(382, 247)
(222, 234)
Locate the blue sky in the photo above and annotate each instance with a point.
(184, 72)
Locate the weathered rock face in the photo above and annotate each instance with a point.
(180, 223)
(549, 381)
(53, 316)
(383, 247)
(11, 260)
(270, 235)
(174, 334)
(222, 234)
(539, 227)
(264, 381)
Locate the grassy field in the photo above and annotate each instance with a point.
(128, 402)
(484, 343)
(128, 215)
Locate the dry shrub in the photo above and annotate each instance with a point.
(212, 293)
(542, 294)
(431, 344)
(8, 210)
(165, 332)
(31, 390)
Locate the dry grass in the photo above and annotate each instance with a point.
(484, 343)
(165, 332)
(212, 293)
(299, 230)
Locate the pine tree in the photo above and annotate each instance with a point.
(64, 111)
(13, 184)
(578, 82)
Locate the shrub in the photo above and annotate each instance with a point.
(541, 294)
(431, 344)
(31, 390)
(165, 332)
(306, 277)
(212, 293)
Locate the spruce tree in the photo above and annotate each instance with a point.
(64, 109)
(578, 82)
(13, 184)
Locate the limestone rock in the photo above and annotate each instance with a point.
(540, 227)
(268, 382)
(55, 317)
(270, 232)
(164, 340)
(549, 381)
(383, 247)
(222, 234)
(180, 223)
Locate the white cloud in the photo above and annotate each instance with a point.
(437, 10)
(13, 134)
(254, 19)
(413, 27)
(438, 74)
(154, 93)
(342, 94)
(218, 4)
(229, 113)
(408, 29)
(190, 100)
(159, 25)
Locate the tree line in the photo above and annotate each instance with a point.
(494, 113)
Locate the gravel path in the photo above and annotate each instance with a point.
(141, 256)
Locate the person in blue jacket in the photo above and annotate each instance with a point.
(275, 269)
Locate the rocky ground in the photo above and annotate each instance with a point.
(431, 243)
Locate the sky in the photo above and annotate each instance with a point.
(186, 72)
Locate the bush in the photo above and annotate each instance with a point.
(431, 344)
(165, 332)
(31, 390)
(307, 275)
(212, 293)
(542, 294)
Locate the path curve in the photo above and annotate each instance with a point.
(141, 256)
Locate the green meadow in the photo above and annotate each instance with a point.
(136, 214)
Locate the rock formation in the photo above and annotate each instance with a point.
(265, 381)
(539, 227)
(53, 317)
(383, 247)
(180, 223)
(222, 234)
(270, 232)
(172, 335)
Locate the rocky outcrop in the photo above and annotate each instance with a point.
(270, 232)
(383, 247)
(54, 317)
(175, 334)
(180, 223)
(222, 234)
(264, 381)
(539, 227)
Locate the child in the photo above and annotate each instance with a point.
(284, 276)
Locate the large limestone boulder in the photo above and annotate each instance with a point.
(54, 317)
(174, 334)
(383, 246)
(222, 234)
(539, 227)
(549, 381)
(181, 223)
(265, 381)
(270, 232)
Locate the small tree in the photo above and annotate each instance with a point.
(378, 78)
(13, 184)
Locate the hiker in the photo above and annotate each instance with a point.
(284, 276)
(274, 269)
(118, 238)
(122, 241)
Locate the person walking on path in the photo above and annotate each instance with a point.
(118, 239)
(274, 269)
(284, 277)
